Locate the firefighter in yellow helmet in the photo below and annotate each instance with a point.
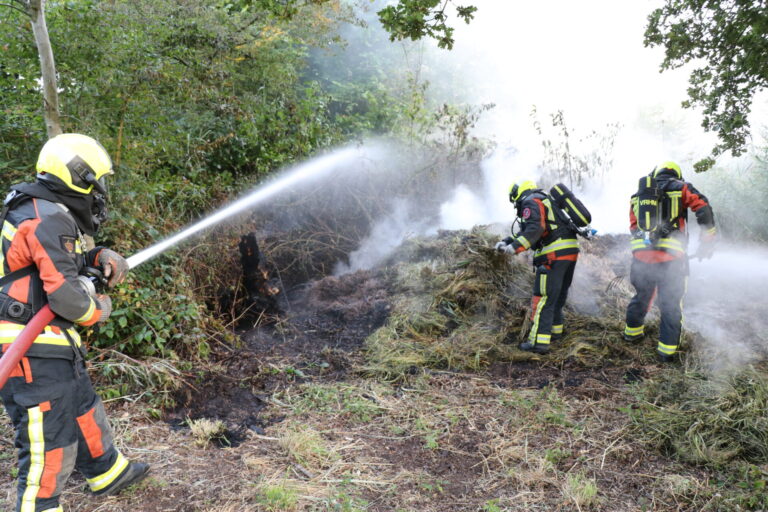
(59, 420)
(555, 253)
(658, 218)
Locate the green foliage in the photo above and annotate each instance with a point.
(153, 316)
(196, 101)
(21, 122)
(730, 188)
(415, 19)
(491, 506)
(191, 101)
(278, 497)
(727, 43)
(743, 487)
(582, 490)
(353, 403)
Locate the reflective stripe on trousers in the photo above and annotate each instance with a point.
(550, 292)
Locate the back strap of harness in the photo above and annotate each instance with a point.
(17, 274)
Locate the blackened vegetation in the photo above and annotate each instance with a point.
(255, 297)
(260, 294)
(311, 329)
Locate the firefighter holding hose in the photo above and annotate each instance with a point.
(59, 420)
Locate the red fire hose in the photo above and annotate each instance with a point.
(23, 341)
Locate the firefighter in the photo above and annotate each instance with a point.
(555, 253)
(659, 261)
(59, 420)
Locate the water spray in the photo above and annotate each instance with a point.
(309, 170)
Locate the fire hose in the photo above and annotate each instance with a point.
(35, 326)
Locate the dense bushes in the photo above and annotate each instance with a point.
(196, 102)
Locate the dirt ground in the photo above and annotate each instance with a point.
(303, 429)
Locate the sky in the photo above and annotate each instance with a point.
(584, 58)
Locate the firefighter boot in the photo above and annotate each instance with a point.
(536, 348)
(633, 334)
(134, 473)
(665, 358)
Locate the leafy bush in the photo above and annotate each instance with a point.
(154, 315)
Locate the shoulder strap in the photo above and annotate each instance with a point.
(13, 199)
(17, 274)
(560, 215)
(567, 222)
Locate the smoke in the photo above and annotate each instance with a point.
(726, 305)
(386, 236)
(586, 60)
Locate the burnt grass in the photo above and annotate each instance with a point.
(306, 428)
(315, 332)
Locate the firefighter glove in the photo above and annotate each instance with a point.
(115, 266)
(104, 303)
(501, 246)
(706, 250)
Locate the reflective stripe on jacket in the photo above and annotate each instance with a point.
(542, 231)
(682, 196)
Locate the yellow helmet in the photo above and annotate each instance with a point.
(517, 189)
(78, 161)
(668, 166)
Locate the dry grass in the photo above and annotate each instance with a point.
(456, 302)
(206, 431)
(454, 422)
(707, 420)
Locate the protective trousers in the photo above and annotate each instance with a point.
(60, 425)
(668, 279)
(550, 291)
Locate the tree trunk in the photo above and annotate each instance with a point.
(47, 66)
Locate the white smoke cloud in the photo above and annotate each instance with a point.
(588, 60)
(726, 304)
(386, 236)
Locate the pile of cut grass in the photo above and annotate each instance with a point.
(460, 305)
(456, 301)
(709, 420)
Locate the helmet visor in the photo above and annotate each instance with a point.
(101, 186)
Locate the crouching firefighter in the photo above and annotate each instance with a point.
(658, 218)
(59, 420)
(551, 233)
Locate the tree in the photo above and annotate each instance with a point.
(415, 19)
(728, 42)
(35, 9)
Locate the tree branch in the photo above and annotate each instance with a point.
(19, 9)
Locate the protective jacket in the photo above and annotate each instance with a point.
(42, 242)
(672, 243)
(659, 269)
(59, 420)
(543, 232)
(555, 253)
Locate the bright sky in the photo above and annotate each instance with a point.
(588, 59)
